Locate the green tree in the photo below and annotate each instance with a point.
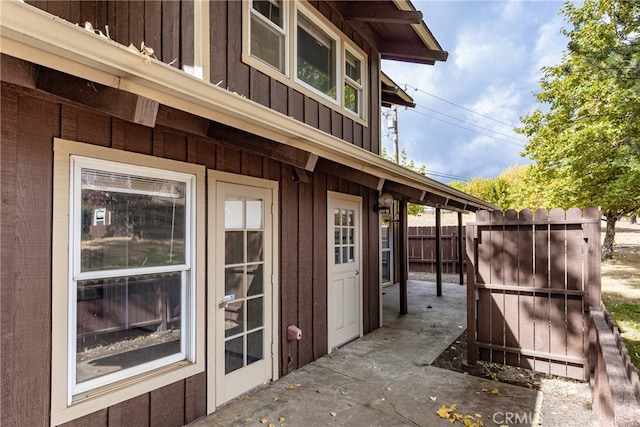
(412, 208)
(585, 138)
(509, 190)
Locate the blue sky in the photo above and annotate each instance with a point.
(496, 50)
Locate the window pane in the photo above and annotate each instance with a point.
(234, 282)
(384, 231)
(337, 255)
(316, 56)
(254, 347)
(254, 214)
(386, 266)
(254, 313)
(352, 67)
(126, 322)
(270, 10)
(254, 246)
(130, 221)
(233, 213)
(267, 44)
(234, 354)
(351, 98)
(234, 318)
(233, 247)
(255, 279)
(336, 216)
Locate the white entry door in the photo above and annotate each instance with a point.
(241, 290)
(344, 293)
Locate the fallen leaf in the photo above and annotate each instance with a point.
(388, 388)
(443, 412)
(281, 419)
(263, 421)
(272, 425)
(433, 398)
(333, 414)
(495, 391)
(248, 420)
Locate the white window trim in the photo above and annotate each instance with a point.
(164, 371)
(284, 31)
(289, 78)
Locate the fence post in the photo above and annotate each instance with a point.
(438, 253)
(470, 253)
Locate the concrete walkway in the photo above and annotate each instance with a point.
(385, 378)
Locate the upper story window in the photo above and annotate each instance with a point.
(296, 45)
(316, 57)
(268, 33)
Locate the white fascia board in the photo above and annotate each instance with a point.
(33, 35)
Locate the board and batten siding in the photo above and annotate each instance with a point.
(30, 120)
(168, 28)
(165, 26)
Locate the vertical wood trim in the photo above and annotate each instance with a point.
(305, 265)
(289, 267)
(201, 40)
(320, 265)
(187, 36)
(218, 36)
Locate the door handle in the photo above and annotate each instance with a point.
(357, 272)
(223, 304)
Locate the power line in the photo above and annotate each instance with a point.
(470, 130)
(459, 106)
(473, 124)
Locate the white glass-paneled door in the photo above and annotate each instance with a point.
(344, 292)
(241, 304)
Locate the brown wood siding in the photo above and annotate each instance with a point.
(30, 121)
(165, 26)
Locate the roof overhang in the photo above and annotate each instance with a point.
(35, 36)
(402, 34)
(392, 94)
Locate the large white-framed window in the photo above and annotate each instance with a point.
(128, 315)
(295, 44)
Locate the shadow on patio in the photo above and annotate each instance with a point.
(385, 378)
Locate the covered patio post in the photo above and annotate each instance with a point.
(403, 260)
(438, 253)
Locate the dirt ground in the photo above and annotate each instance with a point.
(566, 402)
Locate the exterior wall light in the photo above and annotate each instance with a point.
(385, 200)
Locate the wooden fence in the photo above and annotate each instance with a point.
(531, 278)
(422, 249)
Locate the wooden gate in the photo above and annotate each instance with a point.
(531, 278)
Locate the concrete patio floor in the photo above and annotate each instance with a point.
(385, 377)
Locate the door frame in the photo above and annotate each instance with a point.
(332, 195)
(213, 178)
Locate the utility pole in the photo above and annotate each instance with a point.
(394, 127)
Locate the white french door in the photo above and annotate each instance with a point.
(241, 308)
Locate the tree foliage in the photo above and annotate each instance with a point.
(509, 190)
(585, 140)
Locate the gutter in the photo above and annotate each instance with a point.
(36, 36)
